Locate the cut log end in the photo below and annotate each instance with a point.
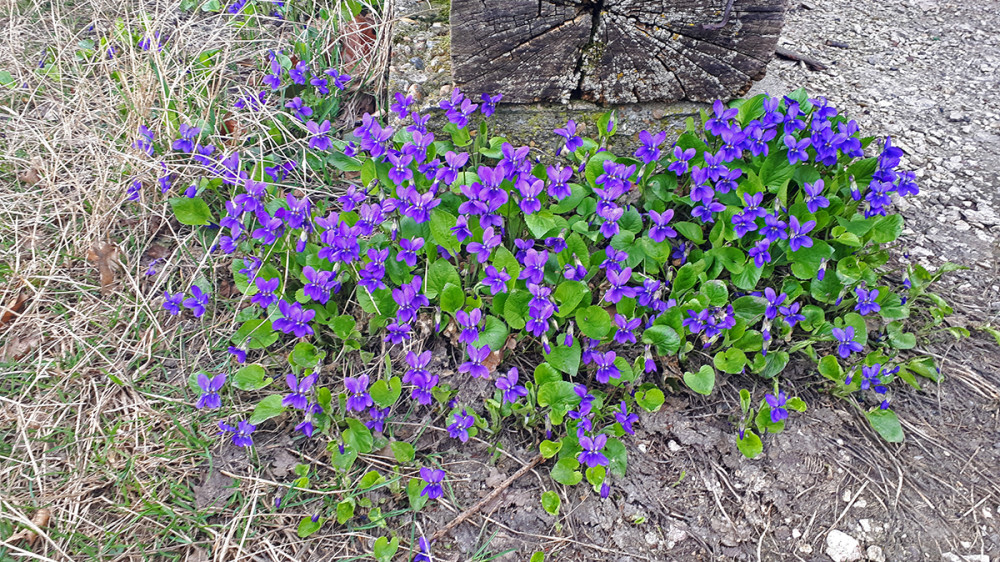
(613, 51)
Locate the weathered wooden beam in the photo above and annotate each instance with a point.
(612, 51)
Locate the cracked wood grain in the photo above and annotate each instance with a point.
(613, 51)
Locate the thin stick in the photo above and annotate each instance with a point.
(489, 497)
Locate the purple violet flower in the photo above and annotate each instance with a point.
(592, 446)
(196, 304)
(358, 398)
(847, 344)
(777, 404)
(297, 397)
(294, 319)
(210, 391)
(433, 478)
(474, 366)
(241, 434)
(508, 384)
(459, 429)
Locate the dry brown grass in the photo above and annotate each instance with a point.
(95, 414)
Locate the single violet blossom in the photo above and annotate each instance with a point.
(210, 391)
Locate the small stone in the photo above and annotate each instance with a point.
(875, 554)
(651, 539)
(861, 503)
(674, 536)
(841, 547)
(445, 90)
(866, 525)
(658, 114)
(796, 534)
(847, 493)
(417, 63)
(673, 446)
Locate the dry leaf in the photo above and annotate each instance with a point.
(155, 252)
(104, 256)
(228, 126)
(30, 177)
(493, 360)
(13, 308)
(17, 347)
(40, 520)
(358, 39)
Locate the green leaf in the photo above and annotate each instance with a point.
(541, 223)
(439, 274)
(595, 475)
(860, 328)
(385, 549)
(503, 260)
(690, 230)
(266, 409)
(345, 510)
(493, 334)
(730, 361)
(307, 526)
(898, 338)
(651, 400)
(452, 298)
(617, 457)
(403, 451)
(686, 278)
(256, 334)
(306, 355)
(538, 556)
(548, 449)
(565, 471)
(764, 423)
(665, 339)
(358, 436)
(886, 424)
(830, 368)
(250, 377)
(747, 279)
(545, 373)
(386, 392)
(413, 489)
(343, 461)
(441, 224)
(192, 211)
(515, 308)
(750, 445)
(558, 394)
(568, 295)
(343, 326)
(371, 478)
(776, 170)
(925, 367)
(566, 359)
(749, 308)
(701, 382)
(594, 322)
(775, 363)
(796, 403)
(551, 502)
(887, 229)
(577, 193)
(744, 400)
(716, 291)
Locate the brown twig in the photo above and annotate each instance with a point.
(812, 63)
(489, 497)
